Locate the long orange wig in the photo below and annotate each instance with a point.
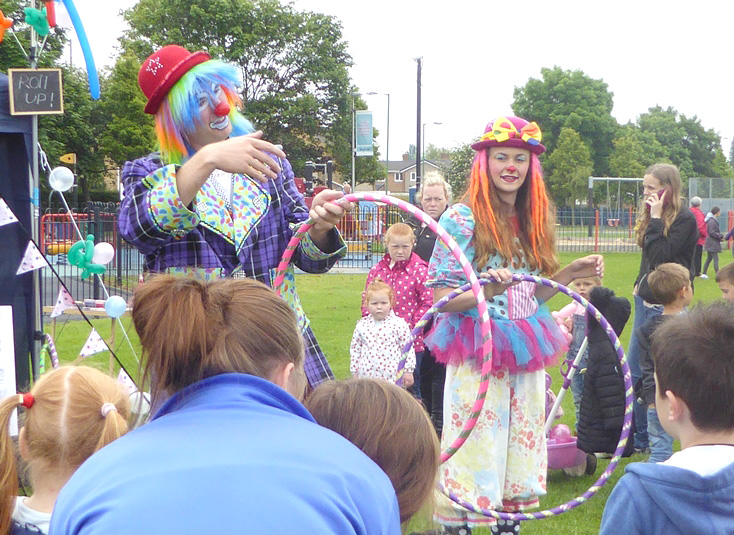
(535, 214)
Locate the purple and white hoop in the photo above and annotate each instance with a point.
(626, 425)
(474, 285)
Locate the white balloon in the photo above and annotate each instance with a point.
(115, 306)
(103, 253)
(61, 178)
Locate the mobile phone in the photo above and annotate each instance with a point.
(666, 199)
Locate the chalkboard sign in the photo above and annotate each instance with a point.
(35, 92)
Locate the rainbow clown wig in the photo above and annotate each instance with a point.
(175, 80)
(535, 214)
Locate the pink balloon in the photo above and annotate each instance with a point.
(561, 433)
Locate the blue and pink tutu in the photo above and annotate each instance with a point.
(520, 345)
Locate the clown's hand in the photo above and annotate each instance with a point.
(327, 208)
(588, 266)
(249, 155)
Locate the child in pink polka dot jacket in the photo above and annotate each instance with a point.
(406, 273)
(379, 337)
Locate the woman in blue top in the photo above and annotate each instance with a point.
(232, 450)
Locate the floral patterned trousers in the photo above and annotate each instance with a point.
(503, 463)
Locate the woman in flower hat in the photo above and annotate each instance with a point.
(218, 200)
(504, 224)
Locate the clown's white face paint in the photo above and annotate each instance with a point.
(215, 125)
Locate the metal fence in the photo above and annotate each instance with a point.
(59, 232)
(577, 230)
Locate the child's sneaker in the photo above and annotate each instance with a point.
(704, 276)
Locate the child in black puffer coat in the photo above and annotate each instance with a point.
(602, 402)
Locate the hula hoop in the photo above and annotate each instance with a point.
(51, 348)
(473, 284)
(626, 425)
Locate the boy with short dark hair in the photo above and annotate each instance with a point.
(692, 491)
(670, 284)
(725, 280)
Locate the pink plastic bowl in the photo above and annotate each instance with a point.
(564, 455)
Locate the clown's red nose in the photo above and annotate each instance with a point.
(511, 169)
(222, 108)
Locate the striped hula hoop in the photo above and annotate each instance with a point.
(626, 425)
(474, 285)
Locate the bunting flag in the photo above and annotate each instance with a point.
(32, 259)
(64, 301)
(125, 379)
(93, 345)
(6, 214)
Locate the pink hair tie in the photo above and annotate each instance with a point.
(106, 408)
(26, 400)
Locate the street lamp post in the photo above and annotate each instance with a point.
(423, 162)
(387, 145)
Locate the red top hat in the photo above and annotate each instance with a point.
(163, 69)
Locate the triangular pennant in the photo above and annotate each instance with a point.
(64, 301)
(125, 379)
(93, 345)
(32, 259)
(6, 214)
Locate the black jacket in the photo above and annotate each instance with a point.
(425, 239)
(678, 246)
(602, 403)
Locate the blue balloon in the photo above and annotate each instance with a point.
(84, 42)
(115, 306)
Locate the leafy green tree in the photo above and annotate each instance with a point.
(129, 131)
(687, 144)
(634, 150)
(731, 153)
(368, 168)
(627, 158)
(11, 55)
(570, 99)
(77, 131)
(457, 174)
(435, 153)
(568, 168)
(294, 66)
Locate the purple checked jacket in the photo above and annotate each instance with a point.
(244, 235)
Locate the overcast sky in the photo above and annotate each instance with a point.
(475, 53)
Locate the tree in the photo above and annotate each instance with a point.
(568, 168)
(77, 131)
(570, 99)
(129, 130)
(435, 153)
(294, 66)
(461, 158)
(11, 56)
(687, 144)
(633, 152)
(368, 168)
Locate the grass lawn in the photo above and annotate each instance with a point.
(332, 303)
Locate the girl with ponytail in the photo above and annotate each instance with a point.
(69, 414)
(231, 449)
(504, 224)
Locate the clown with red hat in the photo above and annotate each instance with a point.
(217, 200)
(505, 225)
